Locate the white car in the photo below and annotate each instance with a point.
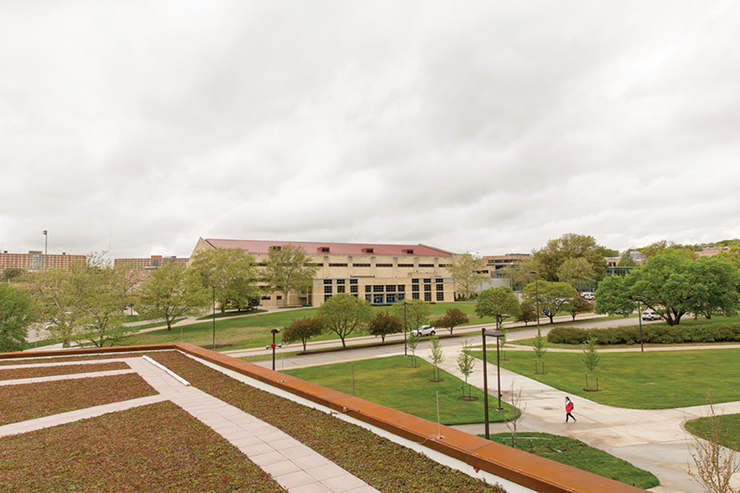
(650, 315)
(425, 330)
(588, 295)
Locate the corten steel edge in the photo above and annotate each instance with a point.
(537, 473)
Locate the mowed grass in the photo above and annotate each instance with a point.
(729, 425)
(650, 380)
(390, 382)
(158, 447)
(252, 331)
(575, 453)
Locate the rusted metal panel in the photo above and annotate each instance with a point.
(81, 352)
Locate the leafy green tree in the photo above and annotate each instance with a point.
(553, 296)
(716, 286)
(343, 314)
(289, 268)
(466, 273)
(453, 318)
(577, 305)
(538, 345)
(302, 330)
(17, 313)
(437, 356)
(415, 312)
(613, 297)
(412, 342)
(523, 272)
(578, 272)
(12, 274)
(626, 260)
(590, 358)
(385, 324)
(173, 291)
(500, 302)
(230, 273)
(466, 365)
(556, 252)
(527, 313)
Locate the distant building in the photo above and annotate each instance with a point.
(37, 261)
(495, 263)
(377, 273)
(711, 251)
(151, 263)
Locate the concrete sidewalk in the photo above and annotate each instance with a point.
(296, 467)
(653, 440)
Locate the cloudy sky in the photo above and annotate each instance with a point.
(136, 127)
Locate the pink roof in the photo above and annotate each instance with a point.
(312, 247)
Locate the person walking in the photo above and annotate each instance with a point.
(569, 410)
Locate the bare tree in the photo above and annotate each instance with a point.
(514, 415)
(714, 464)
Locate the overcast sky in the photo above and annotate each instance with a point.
(136, 127)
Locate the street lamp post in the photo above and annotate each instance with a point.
(537, 300)
(497, 334)
(274, 333)
(213, 310)
(405, 329)
(46, 250)
(639, 319)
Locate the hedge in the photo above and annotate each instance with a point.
(651, 334)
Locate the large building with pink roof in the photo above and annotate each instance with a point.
(378, 273)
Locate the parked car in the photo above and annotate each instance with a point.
(425, 330)
(650, 315)
(588, 295)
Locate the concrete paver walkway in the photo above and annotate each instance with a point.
(296, 467)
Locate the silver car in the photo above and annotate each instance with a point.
(425, 330)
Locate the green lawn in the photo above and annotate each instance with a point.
(577, 454)
(390, 382)
(254, 330)
(729, 435)
(650, 380)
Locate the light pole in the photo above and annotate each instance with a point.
(405, 329)
(46, 254)
(639, 319)
(274, 333)
(497, 334)
(213, 308)
(537, 300)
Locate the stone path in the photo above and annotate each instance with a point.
(296, 467)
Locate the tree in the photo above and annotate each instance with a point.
(528, 313)
(412, 342)
(590, 358)
(523, 272)
(453, 318)
(577, 305)
(12, 273)
(514, 413)
(230, 273)
(289, 268)
(17, 312)
(500, 302)
(303, 329)
(626, 260)
(465, 270)
(538, 345)
(414, 312)
(173, 291)
(466, 365)
(126, 281)
(437, 356)
(86, 304)
(578, 272)
(343, 314)
(613, 297)
(714, 463)
(555, 253)
(385, 324)
(716, 283)
(552, 296)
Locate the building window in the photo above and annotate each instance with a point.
(405, 265)
(324, 249)
(383, 265)
(368, 289)
(360, 265)
(426, 265)
(414, 281)
(428, 296)
(401, 288)
(415, 296)
(327, 289)
(440, 287)
(377, 289)
(337, 265)
(401, 297)
(327, 296)
(439, 280)
(327, 281)
(427, 281)
(369, 298)
(340, 289)
(353, 281)
(340, 281)
(427, 288)
(353, 289)
(378, 299)
(390, 298)
(440, 296)
(390, 288)
(415, 289)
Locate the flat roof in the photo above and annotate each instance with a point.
(314, 247)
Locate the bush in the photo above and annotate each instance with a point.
(652, 334)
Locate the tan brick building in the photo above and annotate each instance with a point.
(377, 273)
(151, 263)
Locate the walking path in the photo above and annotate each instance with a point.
(654, 440)
(296, 467)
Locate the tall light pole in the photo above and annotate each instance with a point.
(497, 334)
(537, 300)
(405, 329)
(46, 254)
(274, 333)
(639, 319)
(213, 308)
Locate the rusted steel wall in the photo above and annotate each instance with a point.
(537, 473)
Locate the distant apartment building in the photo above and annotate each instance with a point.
(377, 273)
(151, 263)
(37, 261)
(711, 251)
